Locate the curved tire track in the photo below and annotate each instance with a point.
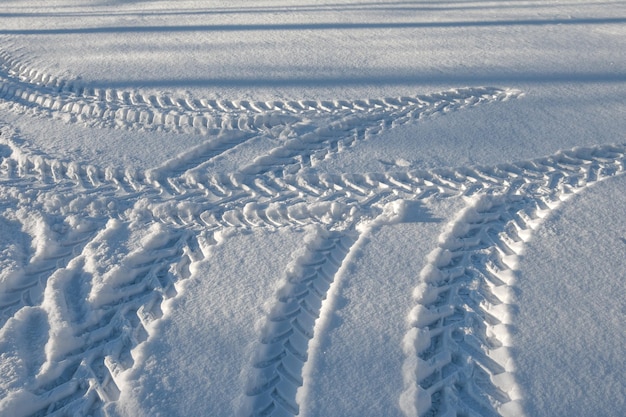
(265, 200)
(63, 242)
(304, 146)
(283, 351)
(348, 122)
(457, 347)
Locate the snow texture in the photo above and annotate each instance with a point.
(281, 208)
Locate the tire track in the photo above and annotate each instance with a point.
(20, 163)
(29, 90)
(52, 96)
(259, 200)
(22, 83)
(291, 339)
(228, 123)
(458, 360)
(268, 200)
(57, 245)
(552, 179)
(103, 323)
(306, 147)
(283, 351)
(457, 349)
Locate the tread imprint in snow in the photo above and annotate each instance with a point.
(277, 367)
(456, 349)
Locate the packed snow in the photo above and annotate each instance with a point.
(342, 208)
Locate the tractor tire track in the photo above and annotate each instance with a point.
(283, 351)
(252, 200)
(28, 90)
(49, 95)
(350, 121)
(269, 200)
(63, 242)
(306, 147)
(458, 359)
(457, 348)
(102, 328)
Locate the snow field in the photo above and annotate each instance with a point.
(205, 211)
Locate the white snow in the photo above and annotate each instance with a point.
(338, 208)
(574, 349)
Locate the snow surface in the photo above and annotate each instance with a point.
(582, 307)
(344, 208)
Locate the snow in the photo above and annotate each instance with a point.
(223, 306)
(579, 307)
(312, 208)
